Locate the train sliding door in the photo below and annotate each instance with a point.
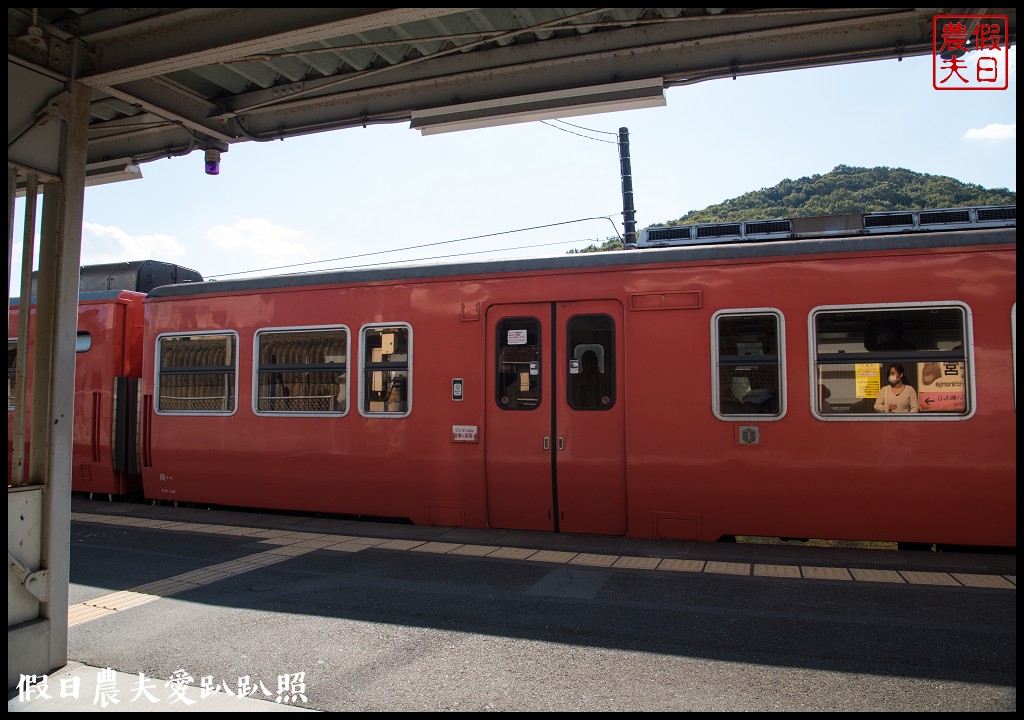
(555, 431)
(590, 427)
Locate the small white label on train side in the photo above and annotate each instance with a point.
(465, 433)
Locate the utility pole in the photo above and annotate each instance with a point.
(628, 213)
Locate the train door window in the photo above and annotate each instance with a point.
(196, 373)
(747, 364)
(301, 371)
(385, 384)
(517, 366)
(12, 372)
(854, 348)
(591, 341)
(83, 342)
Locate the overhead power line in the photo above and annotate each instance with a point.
(425, 245)
(453, 255)
(585, 137)
(603, 132)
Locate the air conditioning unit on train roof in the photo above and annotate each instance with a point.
(718, 232)
(767, 229)
(889, 221)
(1001, 215)
(941, 219)
(665, 235)
(944, 218)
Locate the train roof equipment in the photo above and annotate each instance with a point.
(834, 225)
(136, 275)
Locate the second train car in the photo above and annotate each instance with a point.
(108, 364)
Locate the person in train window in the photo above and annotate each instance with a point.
(588, 385)
(897, 396)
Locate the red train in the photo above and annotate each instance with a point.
(723, 385)
(107, 372)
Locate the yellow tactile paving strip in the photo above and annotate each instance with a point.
(594, 559)
(889, 576)
(826, 573)
(285, 544)
(917, 577)
(125, 599)
(986, 581)
(786, 571)
(727, 568)
(553, 556)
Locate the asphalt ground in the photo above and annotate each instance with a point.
(182, 609)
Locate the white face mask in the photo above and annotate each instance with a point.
(894, 379)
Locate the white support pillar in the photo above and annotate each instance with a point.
(38, 645)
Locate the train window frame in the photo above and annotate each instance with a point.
(366, 366)
(83, 343)
(231, 368)
(881, 357)
(720, 360)
(302, 367)
(503, 398)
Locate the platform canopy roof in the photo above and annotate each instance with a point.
(170, 81)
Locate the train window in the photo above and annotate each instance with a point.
(747, 364)
(196, 373)
(83, 342)
(518, 364)
(855, 349)
(385, 384)
(302, 371)
(591, 383)
(12, 371)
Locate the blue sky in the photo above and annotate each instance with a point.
(344, 198)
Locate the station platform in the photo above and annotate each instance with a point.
(287, 536)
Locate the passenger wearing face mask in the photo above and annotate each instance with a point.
(897, 396)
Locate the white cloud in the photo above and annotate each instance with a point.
(107, 244)
(258, 238)
(993, 131)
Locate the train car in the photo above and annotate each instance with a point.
(136, 275)
(108, 365)
(693, 392)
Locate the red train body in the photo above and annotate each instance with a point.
(107, 370)
(108, 365)
(733, 395)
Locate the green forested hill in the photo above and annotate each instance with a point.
(844, 190)
(848, 190)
